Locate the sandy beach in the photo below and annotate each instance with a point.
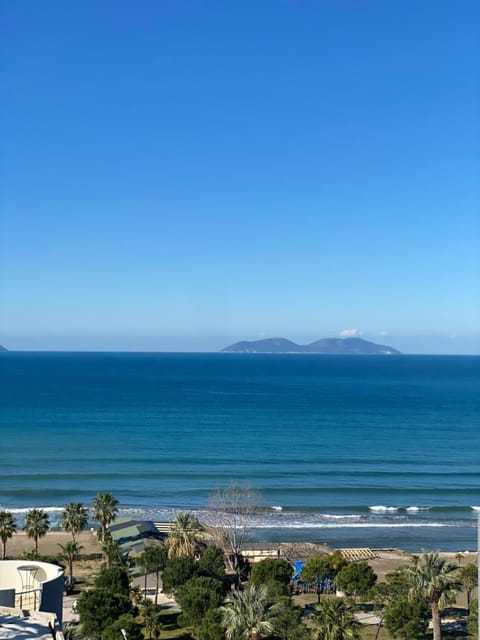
(385, 559)
(49, 544)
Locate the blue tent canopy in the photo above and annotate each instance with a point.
(298, 569)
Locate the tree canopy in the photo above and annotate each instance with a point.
(37, 523)
(196, 597)
(105, 510)
(8, 526)
(435, 579)
(406, 619)
(356, 578)
(250, 615)
(334, 620)
(99, 608)
(274, 573)
(74, 518)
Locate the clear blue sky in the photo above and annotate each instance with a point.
(179, 174)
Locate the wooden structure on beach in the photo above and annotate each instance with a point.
(357, 554)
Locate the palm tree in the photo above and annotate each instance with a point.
(151, 619)
(468, 576)
(113, 554)
(153, 559)
(184, 537)
(70, 551)
(36, 526)
(74, 518)
(8, 527)
(105, 509)
(249, 616)
(334, 621)
(435, 579)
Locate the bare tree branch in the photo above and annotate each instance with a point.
(232, 517)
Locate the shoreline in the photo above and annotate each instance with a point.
(386, 559)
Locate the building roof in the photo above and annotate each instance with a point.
(33, 626)
(134, 535)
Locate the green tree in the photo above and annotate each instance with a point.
(115, 580)
(130, 626)
(356, 579)
(250, 614)
(334, 620)
(99, 608)
(435, 579)
(212, 563)
(36, 526)
(468, 576)
(8, 527)
(176, 573)
(472, 620)
(74, 518)
(151, 617)
(105, 510)
(396, 586)
(406, 619)
(184, 538)
(112, 552)
(288, 624)
(273, 573)
(196, 597)
(316, 569)
(69, 553)
(210, 628)
(153, 559)
(70, 631)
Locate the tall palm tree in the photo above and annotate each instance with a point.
(113, 554)
(105, 509)
(249, 615)
(70, 551)
(184, 537)
(8, 527)
(36, 526)
(153, 559)
(334, 621)
(435, 579)
(74, 518)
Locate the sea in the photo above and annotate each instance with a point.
(354, 451)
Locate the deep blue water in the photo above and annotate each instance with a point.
(357, 451)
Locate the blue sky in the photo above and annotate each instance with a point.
(179, 175)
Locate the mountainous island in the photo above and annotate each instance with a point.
(332, 346)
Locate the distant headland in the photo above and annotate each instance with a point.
(2, 348)
(332, 346)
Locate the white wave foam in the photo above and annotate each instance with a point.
(475, 508)
(379, 508)
(275, 508)
(27, 509)
(415, 509)
(355, 525)
(346, 516)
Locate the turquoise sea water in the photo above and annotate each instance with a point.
(355, 451)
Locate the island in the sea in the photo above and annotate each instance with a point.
(2, 348)
(332, 346)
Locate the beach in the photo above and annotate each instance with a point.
(49, 544)
(385, 560)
